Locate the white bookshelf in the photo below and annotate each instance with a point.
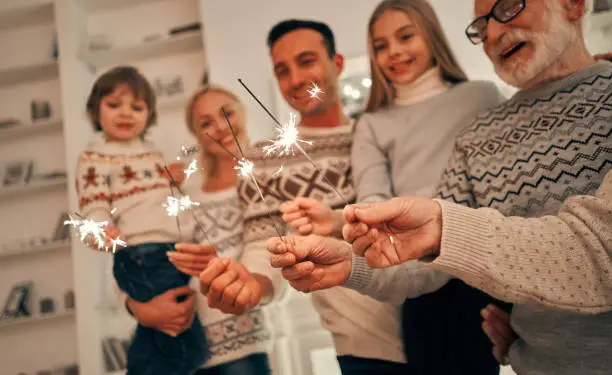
(27, 73)
(32, 188)
(31, 320)
(27, 130)
(46, 248)
(171, 45)
(24, 13)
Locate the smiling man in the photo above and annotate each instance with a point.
(552, 140)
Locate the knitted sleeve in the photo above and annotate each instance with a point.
(395, 284)
(454, 185)
(371, 172)
(93, 186)
(562, 261)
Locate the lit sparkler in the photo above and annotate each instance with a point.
(95, 231)
(314, 91)
(191, 168)
(175, 205)
(288, 138)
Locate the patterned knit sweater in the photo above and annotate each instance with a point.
(230, 337)
(524, 158)
(129, 177)
(352, 318)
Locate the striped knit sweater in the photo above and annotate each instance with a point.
(524, 158)
(353, 319)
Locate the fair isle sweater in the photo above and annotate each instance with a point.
(524, 158)
(360, 326)
(230, 337)
(568, 256)
(129, 177)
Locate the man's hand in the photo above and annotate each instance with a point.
(496, 325)
(191, 259)
(230, 287)
(395, 231)
(164, 313)
(603, 56)
(311, 263)
(308, 216)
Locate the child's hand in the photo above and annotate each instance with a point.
(177, 172)
(308, 216)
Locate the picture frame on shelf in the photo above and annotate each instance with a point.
(17, 173)
(18, 302)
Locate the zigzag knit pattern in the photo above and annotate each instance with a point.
(527, 155)
(299, 177)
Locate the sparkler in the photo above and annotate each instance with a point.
(95, 231)
(184, 203)
(315, 91)
(191, 169)
(175, 205)
(288, 138)
(245, 168)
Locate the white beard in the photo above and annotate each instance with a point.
(548, 45)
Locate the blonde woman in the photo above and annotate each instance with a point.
(238, 343)
(419, 101)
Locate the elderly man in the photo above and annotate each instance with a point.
(523, 158)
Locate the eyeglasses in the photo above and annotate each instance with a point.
(503, 11)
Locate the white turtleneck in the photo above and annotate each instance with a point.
(428, 85)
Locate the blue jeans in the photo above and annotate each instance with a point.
(350, 365)
(143, 272)
(254, 364)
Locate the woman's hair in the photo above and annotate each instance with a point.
(425, 18)
(209, 161)
(108, 82)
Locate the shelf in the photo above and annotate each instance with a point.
(33, 187)
(26, 130)
(101, 5)
(5, 323)
(182, 43)
(24, 13)
(601, 20)
(35, 72)
(51, 246)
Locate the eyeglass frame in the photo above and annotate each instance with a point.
(490, 15)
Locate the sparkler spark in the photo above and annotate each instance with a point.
(287, 139)
(244, 168)
(175, 205)
(191, 169)
(315, 91)
(93, 230)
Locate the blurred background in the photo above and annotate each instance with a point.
(59, 310)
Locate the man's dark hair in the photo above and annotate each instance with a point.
(284, 27)
(106, 84)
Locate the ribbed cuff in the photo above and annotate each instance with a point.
(466, 237)
(361, 275)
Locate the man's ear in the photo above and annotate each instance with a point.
(338, 60)
(573, 10)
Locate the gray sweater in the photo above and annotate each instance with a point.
(402, 150)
